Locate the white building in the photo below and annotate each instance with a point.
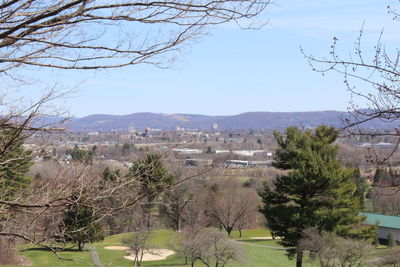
(187, 151)
(247, 153)
(387, 224)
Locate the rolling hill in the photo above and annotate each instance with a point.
(253, 120)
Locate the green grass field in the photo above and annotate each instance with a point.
(256, 255)
(43, 258)
(250, 233)
(259, 252)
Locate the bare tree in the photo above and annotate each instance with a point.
(210, 246)
(8, 253)
(87, 34)
(385, 199)
(196, 213)
(189, 246)
(138, 240)
(393, 259)
(174, 205)
(230, 204)
(94, 34)
(331, 250)
(371, 75)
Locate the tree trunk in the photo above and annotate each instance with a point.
(112, 225)
(130, 221)
(240, 232)
(148, 215)
(299, 258)
(139, 262)
(8, 251)
(229, 230)
(178, 226)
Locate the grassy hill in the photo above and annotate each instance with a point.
(259, 252)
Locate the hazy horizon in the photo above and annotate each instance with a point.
(213, 115)
(231, 71)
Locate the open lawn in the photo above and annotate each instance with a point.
(41, 257)
(246, 234)
(261, 256)
(257, 255)
(259, 252)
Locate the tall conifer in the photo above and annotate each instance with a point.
(316, 191)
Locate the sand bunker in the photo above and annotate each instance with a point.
(116, 248)
(153, 255)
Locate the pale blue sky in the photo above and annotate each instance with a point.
(232, 71)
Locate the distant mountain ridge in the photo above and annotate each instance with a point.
(249, 120)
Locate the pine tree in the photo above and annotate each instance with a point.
(361, 187)
(111, 175)
(15, 163)
(152, 178)
(316, 192)
(384, 176)
(80, 224)
(84, 156)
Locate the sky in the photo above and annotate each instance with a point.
(231, 71)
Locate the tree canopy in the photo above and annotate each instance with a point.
(371, 74)
(151, 178)
(15, 164)
(80, 224)
(316, 191)
(87, 35)
(93, 34)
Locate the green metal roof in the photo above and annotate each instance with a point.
(384, 220)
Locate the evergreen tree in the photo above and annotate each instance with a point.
(110, 175)
(152, 178)
(15, 163)
(361, 187)
(377, 177)
(80, 223)
(84, 156)
(125, 148)
(383, 176)
(317, 192)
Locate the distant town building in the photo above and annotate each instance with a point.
(187, 151)
(237, 163)
(222, 151)
(198, 162)
(147, 132)
(215, 126)
(247, 163)
(381, 144)
(247, 152)
(364, 144)
(93, 133)
(387, 224)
